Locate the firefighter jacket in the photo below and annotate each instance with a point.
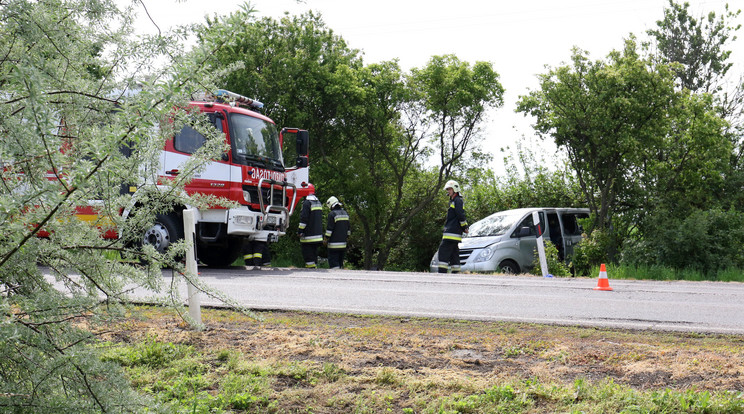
(338, 228)
(311, 221)
(455, 223)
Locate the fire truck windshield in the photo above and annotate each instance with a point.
(255, 142)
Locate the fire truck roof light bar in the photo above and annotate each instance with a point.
(240, 99)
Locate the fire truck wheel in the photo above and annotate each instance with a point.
(220, 256)
(166, 230)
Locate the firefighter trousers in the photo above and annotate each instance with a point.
(336, 258)
(449, 256)
(310, 254)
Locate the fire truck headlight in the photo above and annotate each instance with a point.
(246, 196)
(244, 220)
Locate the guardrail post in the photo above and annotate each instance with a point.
(189, 231)
(540, 245)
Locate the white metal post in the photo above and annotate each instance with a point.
(189, 231)
(540, 245)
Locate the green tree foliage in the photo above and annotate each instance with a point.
(705, 240)
(604, 114)
(67, 118)
(698, 45)
(535, 186)
(635, 142)
(699, 49)
(375, 130)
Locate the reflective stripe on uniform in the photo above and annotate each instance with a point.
(312, 239)
(337, 245)
(452, 236)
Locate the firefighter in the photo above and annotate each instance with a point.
(311, 230)
(255, 254)
(454, 226)
(338, 230)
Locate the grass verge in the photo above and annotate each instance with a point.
(292, 362)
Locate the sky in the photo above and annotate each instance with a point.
(519, 37)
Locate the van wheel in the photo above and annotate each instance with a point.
(509, 267)
(166, 230)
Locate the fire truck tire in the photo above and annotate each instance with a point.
(219, 256)
(166, 230)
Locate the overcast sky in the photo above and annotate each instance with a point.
(518, 37)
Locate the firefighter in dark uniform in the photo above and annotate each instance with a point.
(253, 253)
(338, 230)
(311, 230)
(454, 226)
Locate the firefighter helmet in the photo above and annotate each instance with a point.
(332, 202)
(453, 185)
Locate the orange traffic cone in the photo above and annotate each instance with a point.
(603, 283)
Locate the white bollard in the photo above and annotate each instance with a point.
(540, 244)
(189, 232)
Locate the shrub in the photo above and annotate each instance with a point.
(556, 266)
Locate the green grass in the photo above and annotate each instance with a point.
(227, 381)
(666, 273)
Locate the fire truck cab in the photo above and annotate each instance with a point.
(252, 173)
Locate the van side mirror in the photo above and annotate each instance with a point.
(303, 143)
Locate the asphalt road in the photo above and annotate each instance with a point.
(705, 307)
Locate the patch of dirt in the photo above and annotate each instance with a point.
(471, 351)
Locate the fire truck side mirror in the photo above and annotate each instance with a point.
(303, 143)
(302, 162)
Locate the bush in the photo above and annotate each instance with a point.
(590, 252)
(706, 241)
(556, 266)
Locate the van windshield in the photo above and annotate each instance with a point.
(496, 224)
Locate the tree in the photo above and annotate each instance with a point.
(699, 48)
(604, 114)
(72, 132)
(434, 111)
(372, 127)
(698, 45)
(635, 142)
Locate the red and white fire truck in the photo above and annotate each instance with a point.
(251, 173)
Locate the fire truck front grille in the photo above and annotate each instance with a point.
(277, 200)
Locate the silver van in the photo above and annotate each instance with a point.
(506, 241)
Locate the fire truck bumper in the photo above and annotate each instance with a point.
(244, 222)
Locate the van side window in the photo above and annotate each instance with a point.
(526, 223)
(571, 226)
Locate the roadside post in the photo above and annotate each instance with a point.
(189, 230)
(540, 245)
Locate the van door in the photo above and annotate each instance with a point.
(555, 235)
(527, 243)
(571, 231)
